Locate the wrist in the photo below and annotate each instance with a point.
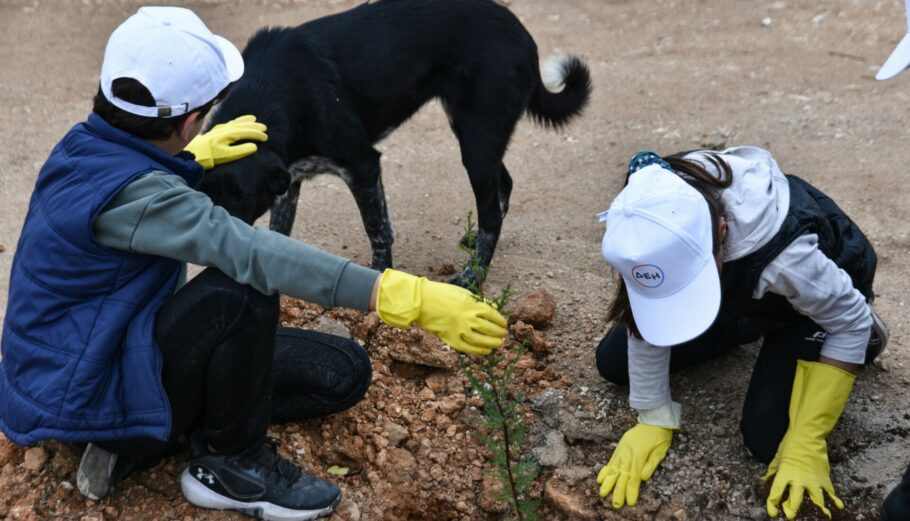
(398, 298)
(374, 293)
(667, 415)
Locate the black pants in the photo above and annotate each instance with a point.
(229, 369)
(765, 411)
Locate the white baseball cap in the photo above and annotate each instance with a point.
(660, 238)
(172, 54)
(900, 57)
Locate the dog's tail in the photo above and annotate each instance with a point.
(562, 92)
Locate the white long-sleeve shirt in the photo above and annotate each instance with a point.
(756, 205)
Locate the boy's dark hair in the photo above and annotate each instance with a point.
(709, 186)
(129, 89)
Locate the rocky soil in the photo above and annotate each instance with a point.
(410, 449)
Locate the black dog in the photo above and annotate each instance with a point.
(331, 88)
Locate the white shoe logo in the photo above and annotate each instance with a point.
(201, 475)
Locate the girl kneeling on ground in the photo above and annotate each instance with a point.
(717, 249)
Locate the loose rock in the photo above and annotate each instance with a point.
(575, 429)
(554, 453)
(395, 433)
(537, 309)
(570, 506)
(546, 404)
(416, 346)
(365, 328)
(574, 474)
(438, 381)
(400, 465)
(330, 326)
(532, 338)
(452, 404)
(23, 511)
(350, 509)
(35, 458)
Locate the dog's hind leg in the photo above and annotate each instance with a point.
(365, 181)
(284, 209)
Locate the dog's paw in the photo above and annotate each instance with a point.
(382, 259)
(467, 279)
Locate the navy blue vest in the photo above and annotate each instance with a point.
(79, 358)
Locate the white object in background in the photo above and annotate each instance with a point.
(900, 57)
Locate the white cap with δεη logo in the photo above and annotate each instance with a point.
(171, 52)
(900, 56)
(659, 237)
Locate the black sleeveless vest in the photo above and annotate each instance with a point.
(839, 238)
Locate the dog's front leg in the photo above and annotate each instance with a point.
(284, 209)
(492, 187)
(365, 183)
(489, 225)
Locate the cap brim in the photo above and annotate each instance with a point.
(679, 317)
(233, 60)
(897, 62)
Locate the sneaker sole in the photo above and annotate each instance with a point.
(878, 325)
(202, 496)
(95, 463)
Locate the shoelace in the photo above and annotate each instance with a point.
(267, 455)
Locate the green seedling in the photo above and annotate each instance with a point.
(492, 378)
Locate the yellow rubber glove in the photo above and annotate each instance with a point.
(217, 145)
(820, 392)
(639, 452)
(449, 312)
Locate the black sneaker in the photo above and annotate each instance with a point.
(258, 482)
(99, 470)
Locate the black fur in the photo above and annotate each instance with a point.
(331, 88)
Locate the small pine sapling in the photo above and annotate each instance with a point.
(492, 378)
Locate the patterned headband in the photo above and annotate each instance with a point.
(646, 158)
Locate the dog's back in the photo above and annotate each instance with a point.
(395, 55)
(389, 58)
(335, 86)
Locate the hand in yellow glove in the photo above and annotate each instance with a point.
(820, 392)
(449, 312)
(217, 145)
(639, 452)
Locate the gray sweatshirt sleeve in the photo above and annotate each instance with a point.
(158, 214)
(819, 289)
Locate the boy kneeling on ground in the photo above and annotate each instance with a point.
(103, 343)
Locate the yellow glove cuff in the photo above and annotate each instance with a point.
(200, 148)
(399, 300)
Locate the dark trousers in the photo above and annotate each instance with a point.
(765, 411)
(229, 370)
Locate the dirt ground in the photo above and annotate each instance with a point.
(793, 76)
